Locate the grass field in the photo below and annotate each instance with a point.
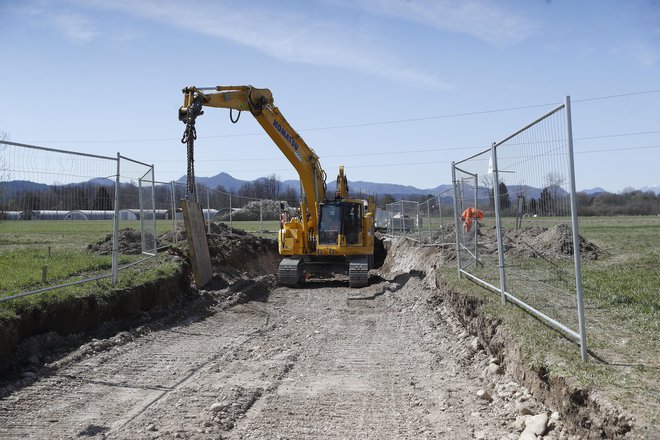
(27, 246)
(622, 308)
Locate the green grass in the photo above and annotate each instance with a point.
(149, 271)
(622, 308)
(27, 246)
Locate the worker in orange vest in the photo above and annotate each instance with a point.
(468, 215)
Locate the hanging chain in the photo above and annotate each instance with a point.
(189, 137)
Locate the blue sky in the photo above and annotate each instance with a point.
(393, 90)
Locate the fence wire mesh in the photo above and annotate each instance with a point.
(226, 210)
(475, 241)
(57, 217)
(524, 185)
(436, 219)
(403, 219)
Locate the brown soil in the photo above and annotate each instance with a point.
(553, 243)
(130, 243)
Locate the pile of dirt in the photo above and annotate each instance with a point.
(235, 252)
(551, 243)
(130, 243)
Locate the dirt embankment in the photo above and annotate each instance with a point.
(237, 258)
(586, 413)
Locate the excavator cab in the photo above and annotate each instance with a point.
(340, 218)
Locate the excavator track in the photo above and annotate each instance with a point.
(358, 272)
(290, 272)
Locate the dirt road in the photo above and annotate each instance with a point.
(325, 361)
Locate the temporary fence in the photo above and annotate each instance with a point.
(428, 222)
(45, 196)
(527, 245)
(436, 218)
(258, 215)
(403, 219)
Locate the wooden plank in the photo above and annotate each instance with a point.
(197, 242)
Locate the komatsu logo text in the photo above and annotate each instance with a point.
(285, 135)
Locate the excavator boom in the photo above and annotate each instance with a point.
(309, 243)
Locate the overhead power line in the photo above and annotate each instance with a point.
(374, 123)
(412, 150)
(396, 164)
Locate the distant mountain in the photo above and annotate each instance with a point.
(594, 191)
(102, 181)
(10, 189)
(223, 179)
(379, 188)
(230, 183)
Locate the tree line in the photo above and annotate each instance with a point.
(551, 201)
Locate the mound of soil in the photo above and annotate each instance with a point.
(234, 252)
(130, 243)
(553, 243)
(238, 253)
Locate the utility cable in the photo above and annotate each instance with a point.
(394, 121)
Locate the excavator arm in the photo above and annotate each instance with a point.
(332, 235)
(259, 102)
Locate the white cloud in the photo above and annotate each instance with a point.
(479, 18)
(75, 26)
(286, 35)
(72, 25)
(640, 51)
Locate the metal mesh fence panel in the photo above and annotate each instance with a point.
(474, 225)
(54, 204)
(436, 218)
(148, 212)
(540, 240)
(59, 217)
(226, 210)
(531, 254)
(403, 219)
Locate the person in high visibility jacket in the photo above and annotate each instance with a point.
(467, 217)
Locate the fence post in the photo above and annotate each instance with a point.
(419, 230)
(456, 222)
(442, 226)
(173, 212)
(115, 227)
(428, 215)
(208, 212)
(153, 209)
(476, 226)
(261, 217)
(576, 234)
(403, 219)
(498, 222)
(141, 202)
(230, 221)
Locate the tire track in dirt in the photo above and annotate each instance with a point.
(105, 392)
(323, 361)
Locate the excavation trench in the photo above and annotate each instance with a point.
(405, 357)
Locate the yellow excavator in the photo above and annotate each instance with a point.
(330, 235)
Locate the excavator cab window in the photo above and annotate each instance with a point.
(329, 223)
(351, 223)
(339, 218)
